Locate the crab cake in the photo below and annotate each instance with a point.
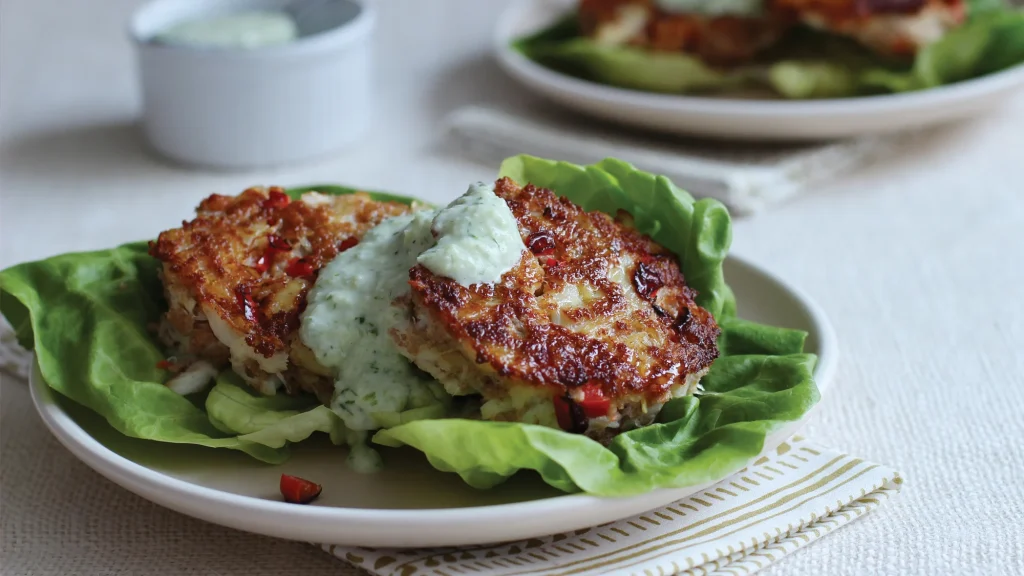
(593, 330)
(893, 27)
(236, 279)
(716, 36)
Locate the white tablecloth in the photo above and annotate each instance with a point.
(919, 261)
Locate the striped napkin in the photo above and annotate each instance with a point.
(772, 508)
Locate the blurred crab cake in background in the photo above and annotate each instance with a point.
(592, 330)
(719, 32)
(236, 279)
(730, 32)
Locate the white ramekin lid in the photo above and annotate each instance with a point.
(254, 107)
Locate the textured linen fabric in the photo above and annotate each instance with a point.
(785, 500)
(917, 260)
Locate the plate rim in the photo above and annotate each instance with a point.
(526, 70)
(168, 491)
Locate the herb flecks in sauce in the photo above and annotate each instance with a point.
(350, 310)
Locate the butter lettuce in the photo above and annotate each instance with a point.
(761, 381)
(272, 421)
(89, 318)
(806, 64)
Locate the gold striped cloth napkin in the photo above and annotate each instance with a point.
(777, 505)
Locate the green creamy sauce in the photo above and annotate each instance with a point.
(713, 7)
(238, 30)
(477, 239)
(349, 312)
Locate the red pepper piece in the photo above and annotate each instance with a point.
(275, 242)
(298, 490)
(552, 262)
(541, 243)
(165, 365)
(299, 268)
(347, 243)
(276, 199)
(562, 413)
(570, 415)
(594, 403)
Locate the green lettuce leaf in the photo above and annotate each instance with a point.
(992, 40)
(806, 64)
(269, 420)
(761, 380)
(699, 439)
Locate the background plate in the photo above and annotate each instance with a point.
(409, 503)
(747, 119)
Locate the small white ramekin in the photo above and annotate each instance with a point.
(249, 108)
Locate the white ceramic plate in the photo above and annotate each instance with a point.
(737, 118)
(409, 504)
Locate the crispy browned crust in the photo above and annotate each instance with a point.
(721, 40)
(214, 257)
(640, 333)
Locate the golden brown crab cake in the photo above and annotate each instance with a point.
(593, 330)
(236, 279)
(720, 39)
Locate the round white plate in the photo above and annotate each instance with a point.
(737, 118)
(409, 504)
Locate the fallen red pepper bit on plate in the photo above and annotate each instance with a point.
(298, 490)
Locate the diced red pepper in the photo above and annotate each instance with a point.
(347, 243)
(299, 490)
(165, 365)
(275, 242)
(299, 268)
(541, 243)
(552, 262)
(276, 199)
(594, 403)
